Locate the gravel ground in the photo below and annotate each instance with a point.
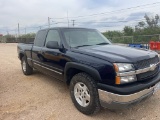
(40, 97)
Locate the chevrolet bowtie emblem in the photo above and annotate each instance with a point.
(152, 67)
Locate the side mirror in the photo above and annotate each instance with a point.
(52, 45)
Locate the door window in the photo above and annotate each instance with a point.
(53, 35)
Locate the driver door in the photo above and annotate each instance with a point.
(53, 58)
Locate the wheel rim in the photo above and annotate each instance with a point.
(81, 93)
(24, 66)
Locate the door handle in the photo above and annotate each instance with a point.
(42, 52)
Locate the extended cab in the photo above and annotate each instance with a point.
(98, 73)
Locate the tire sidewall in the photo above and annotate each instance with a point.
(29, 70)
(23, 60)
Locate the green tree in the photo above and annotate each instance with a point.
(128, 31)
(29, 35)
(111, 34)
(141, 24)
(9, 36)
(150, 27)
(152, 22)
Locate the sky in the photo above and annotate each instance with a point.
(103, 15)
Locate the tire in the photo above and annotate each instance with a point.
(84, 94)
(27, 70)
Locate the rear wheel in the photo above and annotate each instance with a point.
(27, 70)
(84, 94)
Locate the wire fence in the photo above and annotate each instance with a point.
(140, 39)
(2, 39)
(16, 40)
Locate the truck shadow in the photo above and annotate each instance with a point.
(142, 110)
(60, 85)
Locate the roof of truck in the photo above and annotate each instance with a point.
(66, 28)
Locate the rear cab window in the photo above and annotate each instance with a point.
(40, 38)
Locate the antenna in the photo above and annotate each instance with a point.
(49, 22)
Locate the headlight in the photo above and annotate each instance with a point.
(125, 79)
(121, 68)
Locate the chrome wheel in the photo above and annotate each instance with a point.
(82, 94)
(24, 65)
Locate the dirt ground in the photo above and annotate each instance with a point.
(40, 97)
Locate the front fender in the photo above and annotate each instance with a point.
(87, 69)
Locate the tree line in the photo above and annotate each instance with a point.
(28, 35)
(144, 31)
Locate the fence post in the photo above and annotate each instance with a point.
(0, 39)
(123, 38)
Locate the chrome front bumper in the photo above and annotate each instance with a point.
(116, 101)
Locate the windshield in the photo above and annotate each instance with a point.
(84, 37)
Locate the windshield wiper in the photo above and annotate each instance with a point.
(103, 43)
(82, 46)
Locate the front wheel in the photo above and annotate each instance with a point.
(27, 70)
(84, 94)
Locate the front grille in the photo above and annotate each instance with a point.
(147, 75)
(144, 64)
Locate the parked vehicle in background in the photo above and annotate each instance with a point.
(98, 73)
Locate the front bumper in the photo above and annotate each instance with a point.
(116, 101)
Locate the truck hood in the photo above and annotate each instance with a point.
(115, 53)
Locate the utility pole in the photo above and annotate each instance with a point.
(67, 18)
(73, 22)
(132, 39)
(16, 34)
(48, 22)
(18, 30)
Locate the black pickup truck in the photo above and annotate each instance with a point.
(97, 72)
